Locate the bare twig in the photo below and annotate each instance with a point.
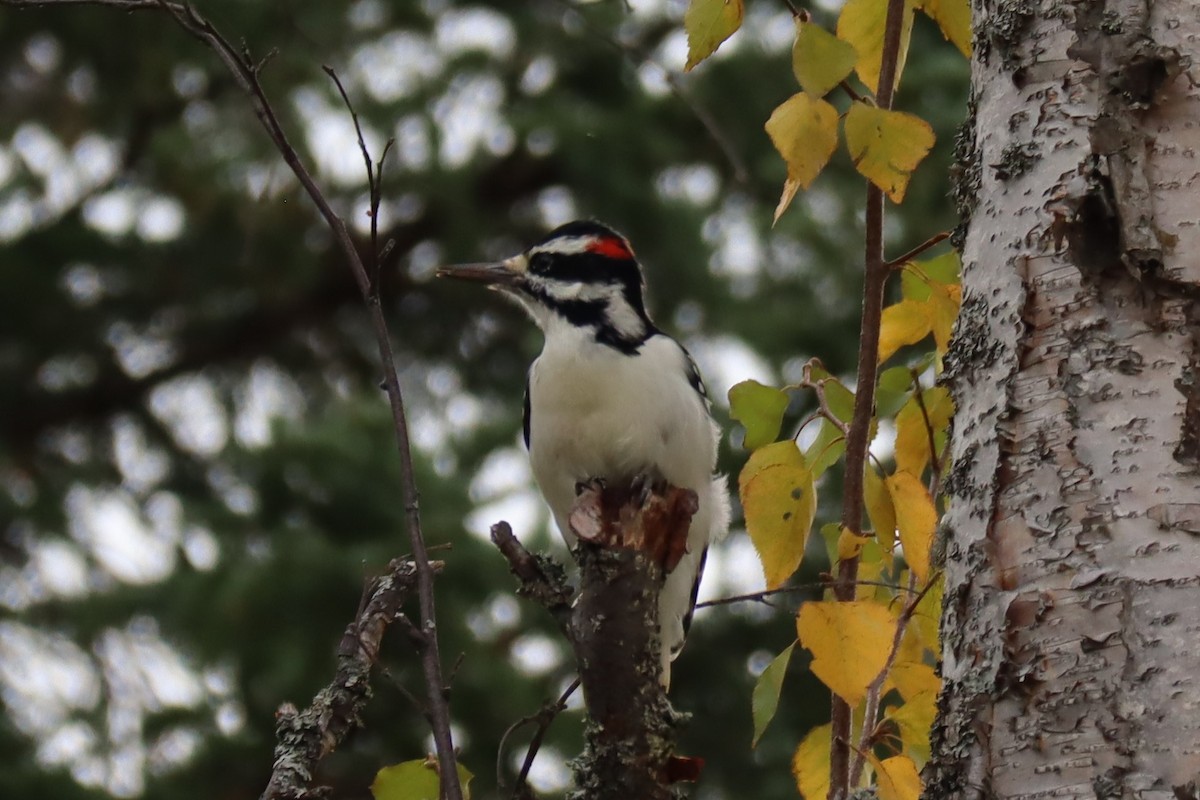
(246, 73)
(932, 241)
(826, 411)
(546, 717)
(374, 176)
(934, 461)
(850, 91)
(741, 175)
(760, 597)
(867, 738)
(875, 274)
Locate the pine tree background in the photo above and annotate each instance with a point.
(197, 468)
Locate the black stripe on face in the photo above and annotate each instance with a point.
(593, 314)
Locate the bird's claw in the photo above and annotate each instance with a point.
(596, 484)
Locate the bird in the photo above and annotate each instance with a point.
(611, 398)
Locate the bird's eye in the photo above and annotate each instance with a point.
(540, 263)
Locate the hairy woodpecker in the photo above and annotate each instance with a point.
(611, 396)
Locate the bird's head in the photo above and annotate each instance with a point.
(582, 275)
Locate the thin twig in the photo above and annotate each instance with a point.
(934, 461)
(535, 743)
(741, 175)
(826, 411)
(875, 272)
(873, 691)
(798, 587)
(245, 72)
(374, 175)
(851, 92)
(932, 241)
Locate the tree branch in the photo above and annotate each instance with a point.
(304, 738)
(875, 272)
(629, 539)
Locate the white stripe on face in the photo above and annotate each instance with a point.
(565, 246)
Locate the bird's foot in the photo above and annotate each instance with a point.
(595, 484)
(644, 486)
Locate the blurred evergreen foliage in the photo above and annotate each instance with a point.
(196, 465)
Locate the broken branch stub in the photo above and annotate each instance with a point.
(629, 541)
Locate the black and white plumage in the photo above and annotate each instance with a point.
(611, 396)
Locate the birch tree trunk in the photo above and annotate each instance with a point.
(1072, 611)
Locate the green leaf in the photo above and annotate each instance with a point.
(954, 18)
(892, 390)
(415, 780)
(839, 398)
(760, 410)
(826, 449)
(765, 699)
(708, 23)
(862, 24)
(779, 501)
(886, 146)
(820, 60)
(804, 131)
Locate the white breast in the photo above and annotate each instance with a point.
(598, 413)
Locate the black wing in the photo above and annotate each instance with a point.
(693, 374)
(687, 618)
(525, 413)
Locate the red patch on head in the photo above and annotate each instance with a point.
(610, 247)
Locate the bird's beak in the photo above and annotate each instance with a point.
(499, 274)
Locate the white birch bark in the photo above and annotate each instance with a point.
(1072, 614)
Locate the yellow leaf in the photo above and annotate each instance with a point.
(790, 188)
(850, 643)
(861, 24)
(926, 620)
(849, 544)
(708, 23)
(810, 765)
(820, 60)
(913, 720)
(912, 439)
(879, 508)
(944, 301)
(886, 146)
(897, 778)
(916, 519)
(912, 678)
(779, 501)
(906, 322)
(415, 780)
(954, 18)
(804, 131)
(918, 278)
(912, 432)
